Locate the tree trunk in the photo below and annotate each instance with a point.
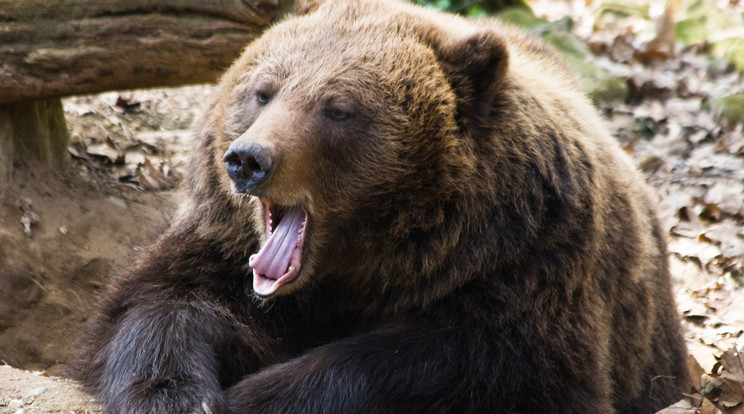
(55, 48)
(32, 134)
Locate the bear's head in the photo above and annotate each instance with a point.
(349, 132)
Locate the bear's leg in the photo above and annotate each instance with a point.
(666, 379)
(412, 370)
(161, 360)
(164, 338)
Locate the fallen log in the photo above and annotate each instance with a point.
(55, 48)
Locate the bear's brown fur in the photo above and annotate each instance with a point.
(437, 221)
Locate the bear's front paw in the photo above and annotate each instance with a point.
(206, 409)
(209, 404)
(185, 400)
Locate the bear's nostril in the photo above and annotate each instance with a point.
(232, 159)
(252, 164)
(248, 164)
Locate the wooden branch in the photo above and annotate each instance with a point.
(53, 48)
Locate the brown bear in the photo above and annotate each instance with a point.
(394, 210)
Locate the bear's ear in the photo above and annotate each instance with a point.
(476, 64)
(306, 6)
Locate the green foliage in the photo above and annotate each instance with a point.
(699, 20)
(731, 48)
(521, 17)
(472, 8)
(596, 82)
(729, 108)
(623, 9)
(704, 21)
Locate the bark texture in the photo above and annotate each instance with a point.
(32, 134)
(54, 48)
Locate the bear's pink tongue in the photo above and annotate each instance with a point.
(279, 260)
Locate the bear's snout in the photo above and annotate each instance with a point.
(248, 164)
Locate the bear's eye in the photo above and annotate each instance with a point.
(336, 114)
(263, 98)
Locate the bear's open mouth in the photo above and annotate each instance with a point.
(279, 260)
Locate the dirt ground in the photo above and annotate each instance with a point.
(62, 235)
(82, 225)
(32, 392)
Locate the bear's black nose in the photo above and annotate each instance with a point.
(248, 164)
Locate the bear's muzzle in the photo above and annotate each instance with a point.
(248, 164)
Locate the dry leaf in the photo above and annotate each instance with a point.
(727, 236)
(691, 249)
(152, 178)
(724, 387)
(728, 195)
(106, 152)
(662, 45)
(681, 407)
(711, 212)
(622, 48)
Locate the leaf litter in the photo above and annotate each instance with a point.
(681, 121)
(140, 138)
